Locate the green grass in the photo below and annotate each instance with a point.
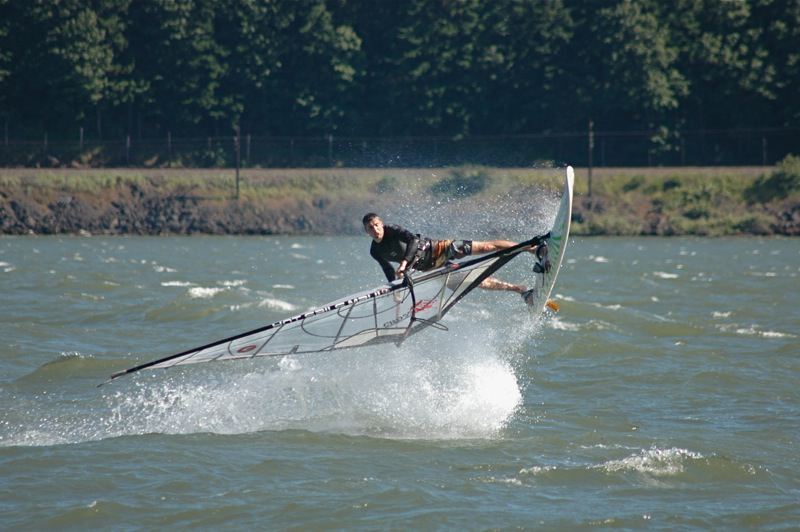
(624, 201)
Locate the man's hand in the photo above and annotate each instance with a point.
(401, 270)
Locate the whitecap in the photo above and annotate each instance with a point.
(753, 331)
(776, 334)
(653, 461)
(233, 284)
(764, 274)
(177, 283)
(560, 325)
(615, 306)
(284, 286)
(536, 470)
(717, 314)
(277, 304)
(665, 275)
(202, 292)
(598, 258)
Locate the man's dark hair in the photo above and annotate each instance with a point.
(368, 218)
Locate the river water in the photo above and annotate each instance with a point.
(664, 394)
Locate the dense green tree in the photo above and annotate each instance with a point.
(5, 60)
(779, 22)
(443, 64)
(723, 54)
(624, 64)
(317, 71)
(397, 68)
(62, 58)
(179, 62)
(526, 89)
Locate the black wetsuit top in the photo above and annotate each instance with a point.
(397, 244)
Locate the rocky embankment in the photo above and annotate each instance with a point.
(302, 203)
(141, 208)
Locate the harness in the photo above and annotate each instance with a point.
(422, 252)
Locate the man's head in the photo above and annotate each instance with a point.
(373, 225)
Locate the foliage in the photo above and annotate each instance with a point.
(784, 181)
(453, 68)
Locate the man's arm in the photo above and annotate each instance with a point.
(412, 244)
(385, 266)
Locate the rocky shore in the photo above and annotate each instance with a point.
(185, 202)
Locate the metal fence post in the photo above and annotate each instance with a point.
(238, 144)
(169, 148)
(330, 150)
(128, 149)
(591, 149)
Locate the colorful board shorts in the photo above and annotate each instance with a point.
(444, 250)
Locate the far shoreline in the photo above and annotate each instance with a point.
(647, 201)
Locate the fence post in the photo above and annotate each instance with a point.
(330, 150)
(591, 149)
(128, 149)
(238, 144)
(169, 148)
(45, 142)
(683, 151)
(247, 149)
(80, 136)
(5, 131)
(763, 151)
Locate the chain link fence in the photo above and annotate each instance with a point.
(745, 147)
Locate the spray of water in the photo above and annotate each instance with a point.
(456, 390)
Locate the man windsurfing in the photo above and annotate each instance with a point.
(392, 243)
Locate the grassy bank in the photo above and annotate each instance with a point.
(629, 201)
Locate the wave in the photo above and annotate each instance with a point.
(653, 461)
(205, 292)
(277, 304)
(460, 390)
(645, 465)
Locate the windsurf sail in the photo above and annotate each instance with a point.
(387, 314)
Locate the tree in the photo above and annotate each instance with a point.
(5, 58)
(62, 59)
(723, 54)
(625, 65)
(180, 63)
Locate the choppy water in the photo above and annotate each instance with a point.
(665, 393)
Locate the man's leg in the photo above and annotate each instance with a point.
(491, 283)
(480, 247)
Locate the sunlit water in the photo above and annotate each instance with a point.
(664, 393)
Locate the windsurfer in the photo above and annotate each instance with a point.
(392, 243)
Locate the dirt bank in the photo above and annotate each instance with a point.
(628, 201)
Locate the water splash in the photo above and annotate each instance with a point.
(461, 389)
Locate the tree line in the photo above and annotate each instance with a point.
(377, 68)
